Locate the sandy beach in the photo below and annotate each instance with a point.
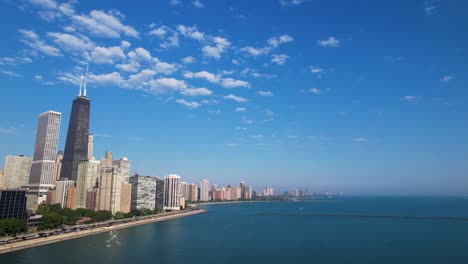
(58, 238)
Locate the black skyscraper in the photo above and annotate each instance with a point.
(76, 146)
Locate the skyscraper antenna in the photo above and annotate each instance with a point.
(85, 81)
(81, 83)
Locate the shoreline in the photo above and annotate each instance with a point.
(4, 249)
(234, 202)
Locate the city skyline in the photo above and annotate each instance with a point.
(277, 108)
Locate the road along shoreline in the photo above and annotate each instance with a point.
(62, 237)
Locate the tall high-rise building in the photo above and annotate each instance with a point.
(144, 192)
(159, 194)
(58, 165)
(123, 164)
(16, 171)
(125, 197)
(204, 189)
(76, 145)
(90, 146)
(193, 192)
(2, 181)
(88, 178)
(171, 192)
(184, 190)
(105, 188)
(61, 191)
(43, 165)
(12, 204)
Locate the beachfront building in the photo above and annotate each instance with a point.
(43, 165)
(87, 179)
(61, 191)
(12, 204)
(16, 171)
(126, 197)
(193, 192)
(159, 194)
(171, 192)
(144, 189)
(204, 190)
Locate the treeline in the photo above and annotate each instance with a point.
(12, 226)
(54, 216)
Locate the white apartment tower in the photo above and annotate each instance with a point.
(171, 192)
(204, 190)
(45, 150)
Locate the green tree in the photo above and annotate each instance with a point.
(12, 226)
(119, 215)
(49, 221)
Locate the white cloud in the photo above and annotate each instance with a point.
(240, 109)
(140, 54)
(224, 82)
(109, 79)
(202, 75)
(175, 2)
(34, 42)
(170, 36)
(14, 61)
(191, 32)
(172, 41)
(447, 78)
(70, 42)
(430, 8)
(10, 73)
(287, 3)
(66, 9)
(158, 32)
(238, 99)
(360, 139)
(198, 4)
(235, 62)
(275, 42)
(188, 104)
(101, 24)
(164, 67)
(107, 55)
(38, 77)
(69, 29)
(256, 51)
(330, 42)
(196, 92)
(232, 83)
(279, 59)
(46, 4)
(140, 80)
(125, 44)
(166, 85)
(215, 51)
(188, 60)
(410, 98)
(318, 72)
(265, 93)
(132, 66)
(315, 90)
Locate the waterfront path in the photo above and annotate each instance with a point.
(61, 237)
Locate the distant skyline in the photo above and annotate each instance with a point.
(357, 97)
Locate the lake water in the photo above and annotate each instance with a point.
(236, 233)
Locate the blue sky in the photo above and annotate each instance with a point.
(360, 97)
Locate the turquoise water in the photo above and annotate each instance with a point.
(235, 233)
